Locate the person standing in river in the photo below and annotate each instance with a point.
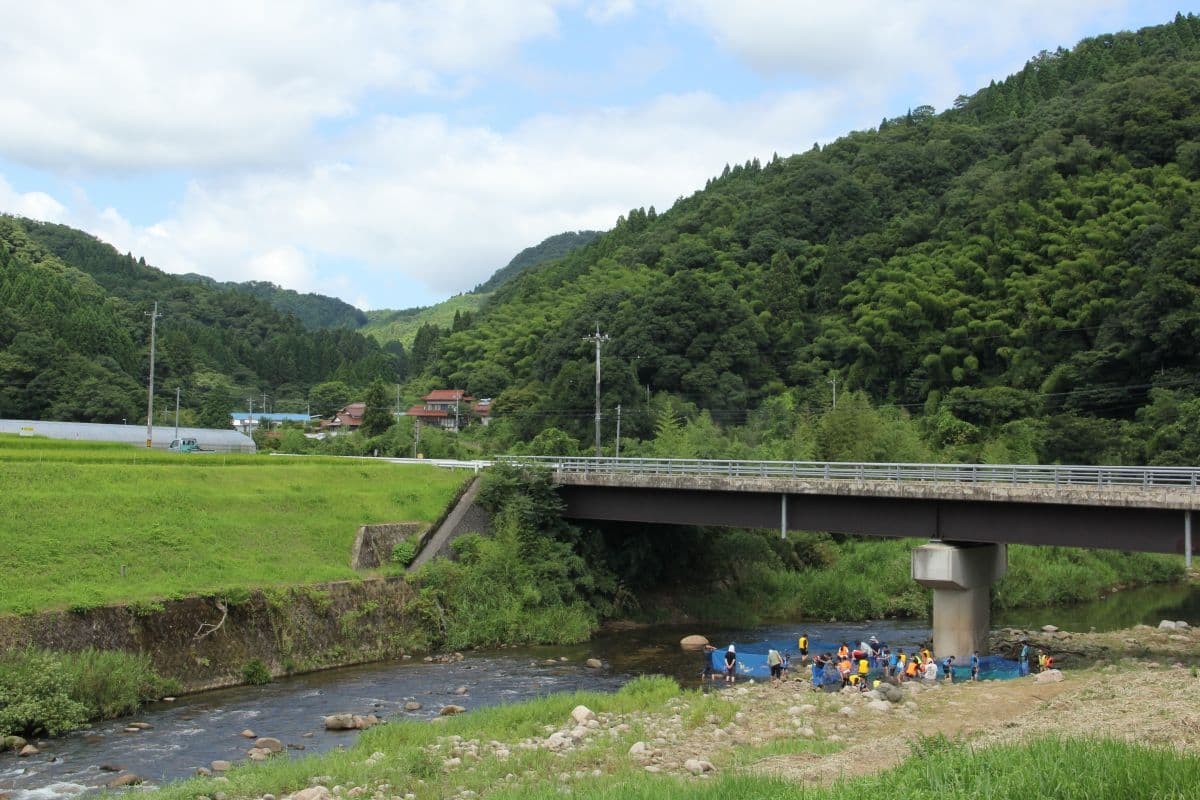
(802, 645)
(708, 672)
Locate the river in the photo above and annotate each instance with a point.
(195, 730)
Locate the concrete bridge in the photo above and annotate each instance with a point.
(968, 512)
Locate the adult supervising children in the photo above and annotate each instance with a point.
(775, 662)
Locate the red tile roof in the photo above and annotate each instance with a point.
(444, 395)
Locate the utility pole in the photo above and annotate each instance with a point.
(416, 435)
(177, 417)
(833, 382)
(264, 398)
(153, 315)
(598, 338)
(250, 417)
(618, 430)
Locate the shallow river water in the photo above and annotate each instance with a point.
(198, 729)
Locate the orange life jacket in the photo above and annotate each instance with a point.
(911, 670)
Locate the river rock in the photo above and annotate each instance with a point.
(1050, 629)
(361, 723)
(1166, 625)
(28, 750)
(890, 692)
(1181, 625)
(128, 779)
(312, 793)
(249, 734)
(111, 768)
(220, 766)
(131, 729)
(846, 711)
(639, 750)
(269, 744)
(450, 710)
(461, 690)
(142, 726)
(451, 763)
(257, 754)
(581, 714)
(557, 741)
(203, 772)
(594, 663)
(879, 705)
(339, 722)
(412, 705)
(698, 766)
(693, 642)
(1049, 676)
(12, 743)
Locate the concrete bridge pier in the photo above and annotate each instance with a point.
(961, 576)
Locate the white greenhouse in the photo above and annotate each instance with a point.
(207, 439)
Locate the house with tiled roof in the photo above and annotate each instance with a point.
(446, 408)
(345, 421)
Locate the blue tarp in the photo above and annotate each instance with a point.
(752, 663)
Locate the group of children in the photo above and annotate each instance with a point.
(864, 666)
(872, 661)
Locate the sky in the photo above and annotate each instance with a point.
(393, 154)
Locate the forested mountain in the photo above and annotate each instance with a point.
(548, 249)
(74, 337)
(389, 326)
(315, 311)
(1025, 264)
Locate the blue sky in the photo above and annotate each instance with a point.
(395, 153)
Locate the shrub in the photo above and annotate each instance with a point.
(35, 695)
(256, 673)
(404, 552)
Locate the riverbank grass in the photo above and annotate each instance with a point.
(481, 753)
(89, 524)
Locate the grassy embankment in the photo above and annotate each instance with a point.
(85, 524)
(760, 742)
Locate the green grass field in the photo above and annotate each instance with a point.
(74, 513)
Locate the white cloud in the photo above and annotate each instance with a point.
(224, 82)
(605, 11)
(422, 200)
(885, 41)
(35, 205)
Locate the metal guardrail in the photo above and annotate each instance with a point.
(1179, 478)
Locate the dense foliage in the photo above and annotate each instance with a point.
(51, 693)
(75, 330)
(1020, 271)
(315, 311)
(548, 249)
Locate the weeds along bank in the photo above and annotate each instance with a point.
(651, 739)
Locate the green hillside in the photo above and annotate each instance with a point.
(548, 249)
(386, 325)
(74, 513)
(75, 331)
(1023, 265)
(315, 311)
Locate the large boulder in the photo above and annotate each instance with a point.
(693, 642)
(451, 710)
(128, 779)
(1049, 676)
(581, 714)
(339, 722)
(269, 744)
(1166, 625)
(594, 663)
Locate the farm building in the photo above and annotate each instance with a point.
(209, 439)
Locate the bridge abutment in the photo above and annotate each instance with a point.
(961, 576)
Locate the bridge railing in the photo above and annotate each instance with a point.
(1185, 478)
